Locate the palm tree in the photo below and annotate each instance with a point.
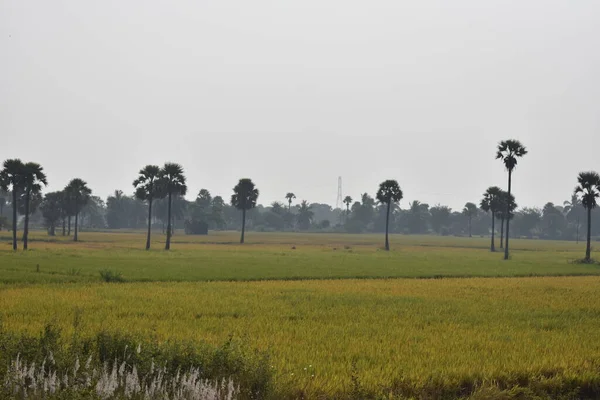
(244, 198)
(33, 179)
(172, 181)
(305, 215)
(589, 187)
(491, 203)
(505, 197)
(509, 151)
(147, 187)
(79, 194)
(290, 196)
(469, 211)
(389, 192)
(12, 176)
(572, 210)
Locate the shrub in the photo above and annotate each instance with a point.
(110, 276)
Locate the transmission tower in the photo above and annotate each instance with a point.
(340, 200)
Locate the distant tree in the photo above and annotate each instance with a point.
(491, 202)
(2, 203)
(217, 211)
(289, 197)
(440, 218)
(79, 194)
(173, 183)
(589, 189)
(469, 211)
(507, 202)
(51, 208)
(509, 151)
(389, 193)
(244, 198)
(33, 179)
(574, 211)
(417, 216)
(553, 222)
(11, 176)
(147, 188)
(277, 208)
(347, 202)
(305, 215)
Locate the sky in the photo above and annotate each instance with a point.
(294, 94)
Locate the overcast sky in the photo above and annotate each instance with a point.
(294, 94)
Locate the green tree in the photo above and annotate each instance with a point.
(33, 179)
(417, 216)
(469, 211)
(440, 218)
(574, 211)
(79, 194)
(589, 189)
(289, 197)
(2, 202)
(305, 215)
(147, 188)
(51, 208)
(509, 151)
(11, 176)
(244, 198)
(389, 193)
(173, 183)
(491, 202)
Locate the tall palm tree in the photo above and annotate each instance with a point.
(469, 211)
(147, 188)
(572, 210)
(33, 179)
(509, 151)
(389, 192)
(79, 194)
(244, 198)
(290, 196)
(172, 180)
(589, 188)
(11, 176)
(305, 215)
(491, 203)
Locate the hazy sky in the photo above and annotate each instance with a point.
(294, 94)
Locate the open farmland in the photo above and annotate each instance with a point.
(332, 337)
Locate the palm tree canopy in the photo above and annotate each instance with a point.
(509, 151)
(172, 179)
(34, 177)
(147, 184)
(389, 192)
(491, 200)
(245, 195)
(470, 209)
(11, 174)
(78, 193)
(589, 188)
(506, 200)
(290, 196)
(348, 200)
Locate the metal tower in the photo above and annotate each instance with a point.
(340, 201)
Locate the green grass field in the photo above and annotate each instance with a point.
(534, 324)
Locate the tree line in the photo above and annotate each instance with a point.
(158, 201)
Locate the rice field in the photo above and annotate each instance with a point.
(533, 320)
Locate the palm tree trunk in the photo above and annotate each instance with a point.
(76, 223)
(69, 226)
(168, 244)
(14, 221)
(493, 246)
(508, 215)
(502, 232)
(588, 248)
(26, 224)
(149, 224)
(243, 225)
(387, 224)
(470, 217)
(64, 224)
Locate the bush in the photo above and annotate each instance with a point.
(110, 276)
(195, 227)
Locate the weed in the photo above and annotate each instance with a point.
(110, 276)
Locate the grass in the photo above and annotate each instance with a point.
(532, 330)
(268, 256)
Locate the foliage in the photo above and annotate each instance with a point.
(304, 215)
(52, 211)
(111, 276)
